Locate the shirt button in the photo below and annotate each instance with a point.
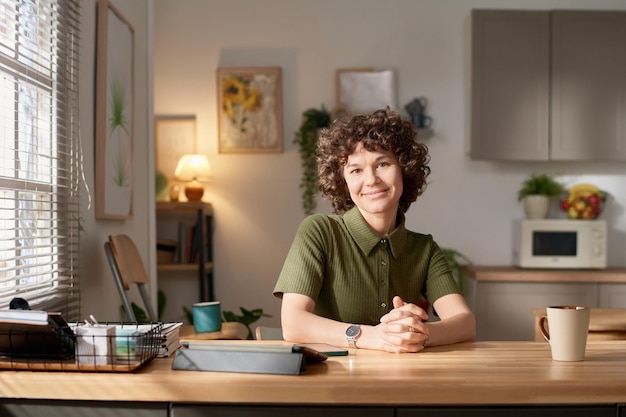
(383, 240)
(383, 263)
(383, 305)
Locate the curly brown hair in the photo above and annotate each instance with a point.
(381, 130)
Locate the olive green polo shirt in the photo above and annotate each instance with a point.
(352, 274)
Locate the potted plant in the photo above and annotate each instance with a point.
(536, 192)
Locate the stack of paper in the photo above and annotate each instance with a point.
(169, 339)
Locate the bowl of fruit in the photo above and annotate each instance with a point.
(583, 201)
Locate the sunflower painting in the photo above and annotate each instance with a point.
(250, 109)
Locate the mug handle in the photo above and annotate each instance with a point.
(544, 331)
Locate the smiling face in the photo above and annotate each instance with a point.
(374, 180)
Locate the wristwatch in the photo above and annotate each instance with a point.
(352, 333)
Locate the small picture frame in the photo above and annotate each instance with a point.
(250, 106)
(175, 136)
(363, 90)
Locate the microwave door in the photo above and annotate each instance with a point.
(555, 243)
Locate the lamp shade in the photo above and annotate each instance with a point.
(193, 168)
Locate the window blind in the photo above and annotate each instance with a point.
(39, 154)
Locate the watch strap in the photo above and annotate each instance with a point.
(352, 342)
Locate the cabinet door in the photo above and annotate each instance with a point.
(510, 85)
(503, 310)
(62, 408)
(612, 296)
(589, 85)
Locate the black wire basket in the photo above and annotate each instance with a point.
(105, 347)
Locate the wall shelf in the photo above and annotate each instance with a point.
(208, 266)
(172, 217)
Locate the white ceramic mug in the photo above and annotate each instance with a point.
(567, 331)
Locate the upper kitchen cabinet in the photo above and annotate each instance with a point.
(548, 85)
(510, 85)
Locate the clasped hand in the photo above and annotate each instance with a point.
(403, 328)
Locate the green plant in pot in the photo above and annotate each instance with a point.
(535, 194)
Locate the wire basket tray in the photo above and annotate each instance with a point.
(106, 347)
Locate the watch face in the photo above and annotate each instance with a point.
(353, 330)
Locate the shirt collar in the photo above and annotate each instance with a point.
(366, 239)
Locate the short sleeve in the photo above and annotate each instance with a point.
(304, 268)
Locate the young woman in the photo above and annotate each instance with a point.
(355, 277)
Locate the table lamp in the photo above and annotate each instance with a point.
(193, 168)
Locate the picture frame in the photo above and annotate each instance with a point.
(361, 90)
(250, 110)
(114, 114)
(175, 136)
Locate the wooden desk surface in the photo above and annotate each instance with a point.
(468, 373)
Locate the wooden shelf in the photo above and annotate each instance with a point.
(175, 207)
(514, 274)
(184, 267)
(174, 216)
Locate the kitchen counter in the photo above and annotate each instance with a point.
(514, 274)
(473, 373)
(503, 297)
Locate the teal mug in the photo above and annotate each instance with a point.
(207, 316)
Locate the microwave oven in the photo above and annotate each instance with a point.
(560, 243)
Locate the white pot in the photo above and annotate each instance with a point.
(536, 206)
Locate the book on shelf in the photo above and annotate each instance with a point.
(196, 245)
(188, 243)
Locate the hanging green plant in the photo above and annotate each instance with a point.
(306, 139)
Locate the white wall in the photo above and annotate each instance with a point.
(469, 205)
(98, 292)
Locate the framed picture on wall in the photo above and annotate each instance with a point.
(114, 114)
(250, 110)
(175, 136)
(360, 90)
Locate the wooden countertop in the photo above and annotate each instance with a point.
(514, 274)
(467, 373)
